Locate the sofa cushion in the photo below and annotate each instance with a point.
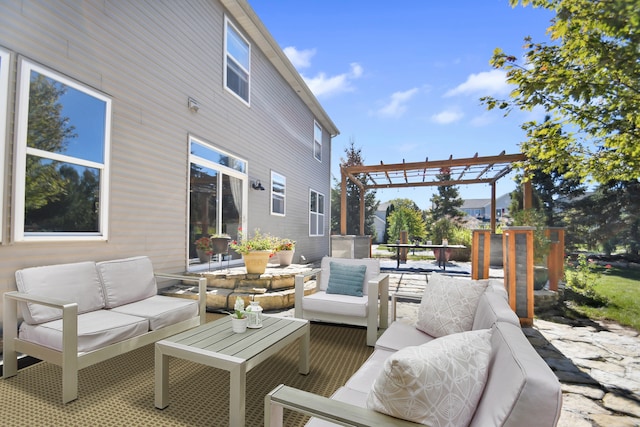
(373, 270)
(400, 335)
(521, 389)
(438, 383)
(76, 282)
(127, 280)
(346, 279)
(96, 329)
(344, 305)
(492, 308)
(362, 380)
(161, 310)
(448, 305)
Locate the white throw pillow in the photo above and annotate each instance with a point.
(448, 305)
(437, 384)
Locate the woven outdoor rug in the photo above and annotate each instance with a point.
(120, 391)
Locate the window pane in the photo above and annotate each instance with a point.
(65, 120)
(277, 205)
(237, 80)
(237, 47)
(320, 203)
(61, 197)
(215, 156)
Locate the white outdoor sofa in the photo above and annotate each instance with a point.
(76, 315)
(371, 309)
(520, 390)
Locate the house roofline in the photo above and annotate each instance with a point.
(251, 23)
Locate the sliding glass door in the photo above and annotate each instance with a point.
(217, 197)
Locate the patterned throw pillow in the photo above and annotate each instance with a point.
(346, 279)
(448, 305)
(437, 384)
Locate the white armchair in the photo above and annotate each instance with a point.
(370, 310)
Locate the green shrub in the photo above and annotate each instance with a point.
(581, 280)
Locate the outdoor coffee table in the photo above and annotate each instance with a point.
(215, 344)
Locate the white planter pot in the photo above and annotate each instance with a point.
(285, 257)
(239, 325)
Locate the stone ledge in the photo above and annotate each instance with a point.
(275, 289)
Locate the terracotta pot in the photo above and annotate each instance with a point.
(256, 261)
(285, 257)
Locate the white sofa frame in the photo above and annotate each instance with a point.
(377, 300)
(69, 358)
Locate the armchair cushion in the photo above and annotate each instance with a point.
(346, 279)
(448, 306)
(438, 383)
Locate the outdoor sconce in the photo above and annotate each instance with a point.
(257, 185)
(193, 105)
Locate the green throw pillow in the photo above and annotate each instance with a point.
(346, 279)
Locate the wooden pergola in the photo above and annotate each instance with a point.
(472, 170)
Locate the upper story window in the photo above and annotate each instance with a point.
(317, 141)
(316, 213)
(62, 173)
(4, 90)
(278, 187)
(237, 62)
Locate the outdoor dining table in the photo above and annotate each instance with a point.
(440, 249)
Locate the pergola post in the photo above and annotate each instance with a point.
(343, 202)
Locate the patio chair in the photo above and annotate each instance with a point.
(347, 291)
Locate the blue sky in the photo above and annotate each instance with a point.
(403, 79)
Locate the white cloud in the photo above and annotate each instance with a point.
(487, 83)
(299, 58)
(323, 85)
(447, 116)
(396, 106)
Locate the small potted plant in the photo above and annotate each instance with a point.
(203, 248)
(239, 319)
(255, 250)
(285, 249)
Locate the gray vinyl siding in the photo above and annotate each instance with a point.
(149, 58)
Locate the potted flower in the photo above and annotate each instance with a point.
(239, 318)
(255, 250)
(203, 248)
(285, 249)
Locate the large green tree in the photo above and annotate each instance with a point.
(588, 79)
(353, 158)
(405, 216)
(446, 202)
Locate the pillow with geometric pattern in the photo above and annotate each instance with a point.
(438, 383)
(448, 305)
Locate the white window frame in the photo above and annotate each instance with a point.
(26, 67)
(317, 141)
(227, 55)
(5, 63)
(317, 217)
(276, 177)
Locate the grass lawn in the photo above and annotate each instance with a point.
(622, 288)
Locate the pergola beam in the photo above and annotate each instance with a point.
(421, 170)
